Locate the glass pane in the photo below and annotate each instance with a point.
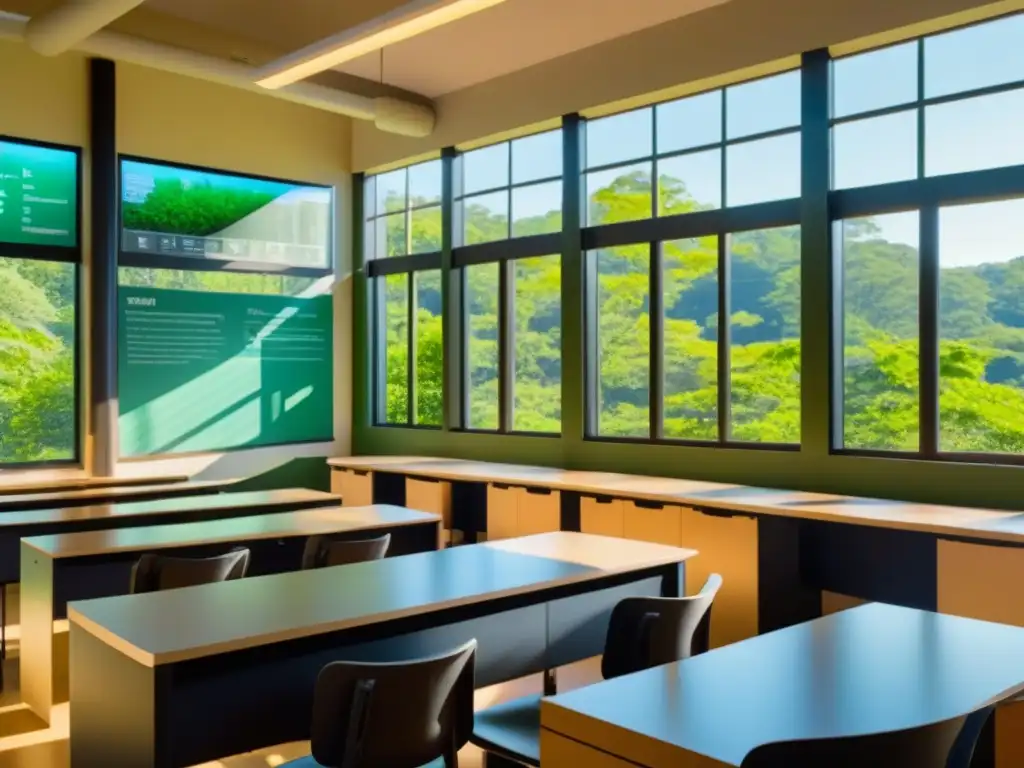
(875, 151)
(759, 171)
(223, 282)
(425, 224)
(765, 333)
(981, 327)
(537, 387)
(619, 138)
(37, 361)
(390, 191)
(537, 157)
(390, 236)
(485, 168)
(763, 105)
(974, 134)
(425, 183)
(623, 340)
(396, 349)
(695, 121)
(485, 218)
(621, 194)
(974, 57)
(880, 332)
(874, 80)
(690, 356)
(688, 183)
(482, 346)
(428, 347)
(537, 209)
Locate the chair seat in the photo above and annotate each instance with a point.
(309, 762)
(510, 729)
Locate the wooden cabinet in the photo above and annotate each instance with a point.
(653, 522)
(515, 511)
(726, 545)
(430, 496)
(353, 485)
(602, 515)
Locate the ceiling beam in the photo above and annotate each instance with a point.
(63, 27)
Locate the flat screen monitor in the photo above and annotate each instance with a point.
(38, 195)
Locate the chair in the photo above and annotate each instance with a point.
(926, 747)
(153, 573)
(325, 551)
(643, 632)
(407, 714)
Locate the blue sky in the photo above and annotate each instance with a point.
(965, 135)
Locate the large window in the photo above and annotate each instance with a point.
(402, 244)
(508, 219)
(695, 337)
(929, 179)
(39, 254)
(225, 324)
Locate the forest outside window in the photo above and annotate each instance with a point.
(402, 243)
(930, 270)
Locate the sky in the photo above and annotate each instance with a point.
(966, 135)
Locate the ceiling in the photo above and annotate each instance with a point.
(505, 38)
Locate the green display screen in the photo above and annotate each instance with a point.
(203, 371)
(184, 212)
(38, 195)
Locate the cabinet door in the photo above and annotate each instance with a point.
(355, 487)
(502, 512)
(601, 515)
(540, 511)
(430, 496)
(650, 521)
(728, 546)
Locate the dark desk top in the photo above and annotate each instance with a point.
(44, 499)
(305, 522)
(869, 669)
(258, 611)
(300, 497)
(54, 484)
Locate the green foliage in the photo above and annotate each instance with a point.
(176, 208)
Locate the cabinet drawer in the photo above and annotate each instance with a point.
(601, 516)
(653, 523)
(355, 487)
(502, 512)
(540, 511)
(430, 496)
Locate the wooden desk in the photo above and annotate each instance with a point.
(105, 494)
(870, 669)
(239, 675)
(91, 564)
(50, 485)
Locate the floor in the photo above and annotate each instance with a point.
(48, 747)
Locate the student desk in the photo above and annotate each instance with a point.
(149, 689)
(54, 484)
(867, 670)
(90, 564)
(48, 498)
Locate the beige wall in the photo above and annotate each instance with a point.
(184, 120)
(721, 40)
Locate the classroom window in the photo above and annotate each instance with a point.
(537, 344)
(38, 364)
(396, 348)
(482, 291)
(402, 209)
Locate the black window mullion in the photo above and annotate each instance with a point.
(410, 342)
(920, 110)
(378, 309)
(837, 383)
(724, 340)
(656, 387)
(453, 383)
(506, 340)
(929, 330)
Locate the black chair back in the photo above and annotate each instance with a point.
(153, 573)
(394, 715)
(925, 747)
(646, 632)
(325, 551)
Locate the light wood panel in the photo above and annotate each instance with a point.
(728, 546)
(354, 486)
(430, 496)
(540, 511)
(502, 512)
(602, 516)
(659, 525)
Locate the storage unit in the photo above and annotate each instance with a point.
(429, 495)
(652, 521)
(602, 515)
(515, 511)
(355, 486)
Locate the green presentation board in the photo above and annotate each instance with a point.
(202, 371)
(38, 195)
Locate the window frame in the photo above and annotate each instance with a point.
(63, 255)
(925, 195)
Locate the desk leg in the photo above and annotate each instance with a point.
(36, 657)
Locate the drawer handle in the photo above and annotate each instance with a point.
(539, 491)
(642, 504)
